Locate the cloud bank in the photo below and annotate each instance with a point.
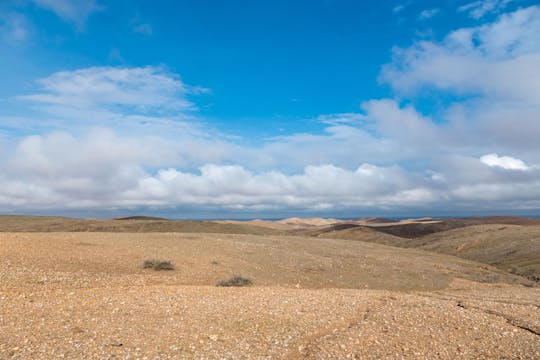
(104, 171)
(119, 138)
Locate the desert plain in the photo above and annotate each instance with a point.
(321, 289)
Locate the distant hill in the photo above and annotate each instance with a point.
(379, 220)
(290, 224)
(140, 217)
(422, 227)
(509, 243)
(10, 223)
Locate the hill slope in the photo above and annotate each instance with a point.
(86, 295)
(137, 224)
(202, 259)
(418, 228)
(512, 247)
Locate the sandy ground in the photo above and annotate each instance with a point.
(65, 295)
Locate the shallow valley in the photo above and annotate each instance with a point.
(350, 292)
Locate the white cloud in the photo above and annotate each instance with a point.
(491, 73)
(497, 60)
(74, 11)
(101, 170)
(485, 126)
(505, 162)
(428, 13)
(388, 156)
(399, 8)
(343, 118)
(405, 125)
(507, 196)
(341, 145)
(479, 9)
(317, 186)
(143, 89)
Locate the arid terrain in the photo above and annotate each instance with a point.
(321, 289)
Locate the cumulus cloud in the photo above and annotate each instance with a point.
(505, 162)
(114, 174)
(388, 155)
(352, 165)
(497, 60)
(405, 125)
(100, 170)
(341, 145)
(74, 11)
(490, 71)
(322, 186)
(104, 171)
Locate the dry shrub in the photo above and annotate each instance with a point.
(158, 264)
(235, 280)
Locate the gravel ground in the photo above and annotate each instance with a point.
(90, 312)
(202, 322)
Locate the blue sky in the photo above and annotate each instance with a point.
(262, 108)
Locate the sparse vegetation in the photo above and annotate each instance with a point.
(158, 264)
(235, 280)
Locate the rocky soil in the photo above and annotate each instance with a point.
(86, 296)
